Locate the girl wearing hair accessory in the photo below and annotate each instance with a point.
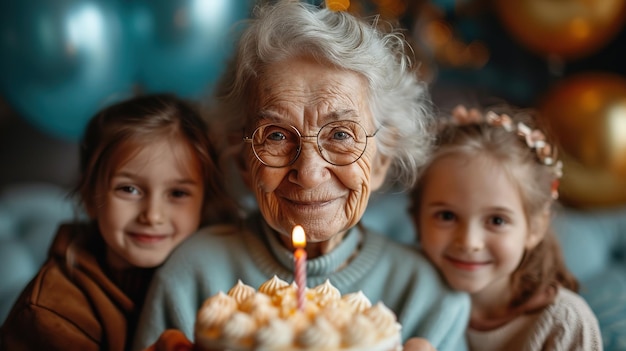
(482, 208)
(147, 179)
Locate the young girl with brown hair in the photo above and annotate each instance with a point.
(147, 180)
(482, 209)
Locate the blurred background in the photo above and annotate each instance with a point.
(64, 60)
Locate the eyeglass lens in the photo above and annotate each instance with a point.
(340, 143)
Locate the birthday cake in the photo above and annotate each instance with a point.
(270, 319)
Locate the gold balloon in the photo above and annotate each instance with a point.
(587, 115)
(588, 187)
(338, 5)
(568, 29)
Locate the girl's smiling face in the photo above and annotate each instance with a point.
(152, 202)
(472, 224)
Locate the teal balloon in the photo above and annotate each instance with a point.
(182, 45)
(63, 60)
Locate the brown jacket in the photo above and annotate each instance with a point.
(73, 302)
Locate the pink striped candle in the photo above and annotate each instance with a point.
(299, 243)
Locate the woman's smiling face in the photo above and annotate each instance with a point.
(323, 198)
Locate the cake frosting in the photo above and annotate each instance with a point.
(269, 319)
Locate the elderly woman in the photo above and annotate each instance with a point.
(330, 112)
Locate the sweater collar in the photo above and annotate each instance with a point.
(322, 265)
(339, 265)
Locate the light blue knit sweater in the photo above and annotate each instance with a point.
(214, 259)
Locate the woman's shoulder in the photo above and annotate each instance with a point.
(405, 259)
(214, 233)
(213, 243)
(221, 230)
(399, 250)
(233, 232)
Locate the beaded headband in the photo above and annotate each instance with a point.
(534, 138)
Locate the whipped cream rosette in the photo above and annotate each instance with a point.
(268, 319)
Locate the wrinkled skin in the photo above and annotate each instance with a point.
(326, 200)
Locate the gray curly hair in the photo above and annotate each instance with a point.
(287, 29)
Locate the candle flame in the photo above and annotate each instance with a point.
(297, 237)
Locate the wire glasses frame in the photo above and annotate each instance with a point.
(340, 143)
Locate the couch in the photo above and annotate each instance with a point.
(29, 215)
(593, 241)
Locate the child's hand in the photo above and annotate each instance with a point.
(171, 340)
(418, 344)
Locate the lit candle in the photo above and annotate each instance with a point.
(299, 242)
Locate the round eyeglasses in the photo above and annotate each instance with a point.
(340, 143)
